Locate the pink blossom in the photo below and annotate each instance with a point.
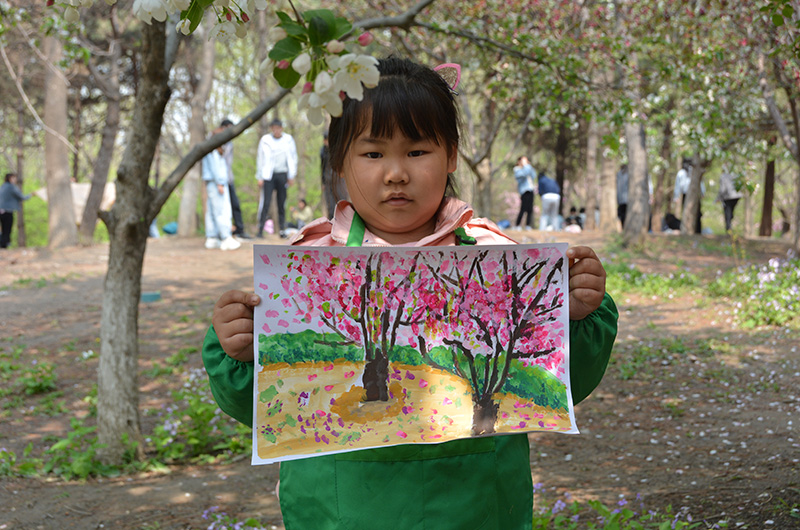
(365, 38)
(282, 65)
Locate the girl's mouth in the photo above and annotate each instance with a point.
(397, 200)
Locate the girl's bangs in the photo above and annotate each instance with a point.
(397, 105)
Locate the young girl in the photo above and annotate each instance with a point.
(395, 150)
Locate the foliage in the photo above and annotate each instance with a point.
(10, 466)
(194, 427)
(641, 360)
(76, 455)
(293, 348)
(39, 379)
(623, 278)
(765, 295)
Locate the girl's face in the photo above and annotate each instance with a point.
(396, 185)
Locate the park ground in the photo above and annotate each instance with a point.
(695, 412)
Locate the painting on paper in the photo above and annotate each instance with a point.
(360, 347)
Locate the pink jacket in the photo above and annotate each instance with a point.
(452, 214)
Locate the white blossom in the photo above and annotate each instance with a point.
(253, 5)
(277, 33)
(184, 26)
(223, 31)
(179, 5)
(71, 14)
(302, 64)
(353, 71)
(147, 10)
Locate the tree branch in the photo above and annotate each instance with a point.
(405, 20)
(203, 148)
(774, 111)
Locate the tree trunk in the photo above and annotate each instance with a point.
(22, 239)
(128, 223)
(110, 87)
(592, 176)
(63, 230)
(483, 192)
(484, 415)
(561, 152)
(661, 200)
(765, 229)
(376, 375)
(796, 220)
(201, 84)
(691, 208)
(608, 194)
(638, 214)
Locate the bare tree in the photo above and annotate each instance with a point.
(63, 229)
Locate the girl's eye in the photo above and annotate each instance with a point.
(372, 155)
(416, 153)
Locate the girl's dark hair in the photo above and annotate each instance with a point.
(411, 98)
(9, 175)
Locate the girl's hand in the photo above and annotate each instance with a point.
(233, 322)
(587, 282)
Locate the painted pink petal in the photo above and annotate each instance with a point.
(447, 401)
(348, 375)
(401, 434)
(271, 314)
(423, 383)
(282, 323)
(266, 328)
(328, 388)
(265, 259)
(312, 377)
(328, 368)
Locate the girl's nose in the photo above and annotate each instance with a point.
(396, 173)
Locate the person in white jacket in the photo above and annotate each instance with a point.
(276, 168)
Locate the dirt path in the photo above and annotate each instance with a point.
(693, 411)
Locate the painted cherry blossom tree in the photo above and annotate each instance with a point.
(364, 299)
(491, 312)
(488, 309)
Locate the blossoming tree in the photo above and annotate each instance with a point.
(138, 203)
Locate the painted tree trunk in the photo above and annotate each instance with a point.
(376, 375)
(484, 415)
(63, 230)
(128, 223)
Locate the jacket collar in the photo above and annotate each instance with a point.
(452, 214)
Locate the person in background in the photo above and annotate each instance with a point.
(276, 168)
(302, 214)
(728, 195)
(218, 202)
(11, 198)
(551, 198)
(236, 209)
(525, 175)
(622, 193)
(573, 222)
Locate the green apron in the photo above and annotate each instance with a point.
(476, 483)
